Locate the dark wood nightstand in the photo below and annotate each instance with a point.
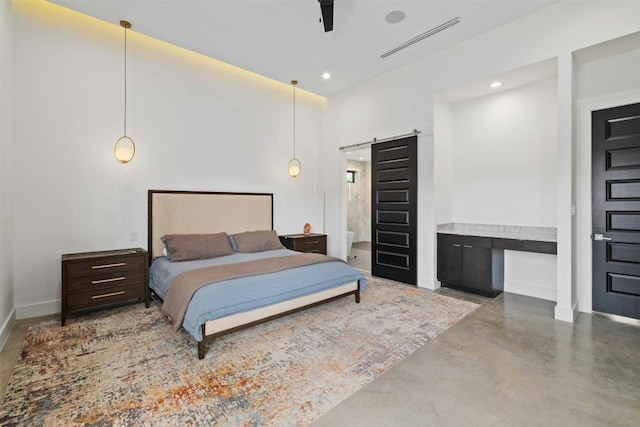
(92, 279)
(305, 242)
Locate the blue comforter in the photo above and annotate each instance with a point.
(247, 293)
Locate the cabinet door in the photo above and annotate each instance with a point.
(477, 268)
(449, 260)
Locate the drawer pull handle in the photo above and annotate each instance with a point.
(112, 294)
(455, 245)
(115, 279)
(118, 264)
(467, 246)
(311, 242)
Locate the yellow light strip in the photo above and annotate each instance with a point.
(110, 34)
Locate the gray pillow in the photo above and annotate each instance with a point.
(187, 247)
(165, 248)
(257, 241)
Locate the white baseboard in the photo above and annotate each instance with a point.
(36, 310)
(6, 328)
(582, 308)
(567, 314)
(428, 284)
(531, 291)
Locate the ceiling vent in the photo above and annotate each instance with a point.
(422, 36)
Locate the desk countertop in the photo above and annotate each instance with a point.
(516, 232)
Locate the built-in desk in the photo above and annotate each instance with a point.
(471, 256)
(525, 245)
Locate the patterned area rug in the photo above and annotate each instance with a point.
(127, 367)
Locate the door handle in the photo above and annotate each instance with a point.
(600, 237)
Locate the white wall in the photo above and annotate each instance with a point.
(7, 312)
(609, 76)
(198, 125)
(403, 99)
(504, 157)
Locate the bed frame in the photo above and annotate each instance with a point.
(192, 212)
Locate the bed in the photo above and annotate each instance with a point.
(221, 290)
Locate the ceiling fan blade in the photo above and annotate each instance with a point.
(326, 7)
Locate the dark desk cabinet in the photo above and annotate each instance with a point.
(93, 279)
(449, 260)
(469, 263)
(305, 242)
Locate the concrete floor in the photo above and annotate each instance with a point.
(509, 363)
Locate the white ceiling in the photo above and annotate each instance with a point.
(284, 40)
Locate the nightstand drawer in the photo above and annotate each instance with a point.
(105, 296)
(309, 245)
(105, 280)
(305, 242)
(110, 266)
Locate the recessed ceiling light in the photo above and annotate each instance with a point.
(495, 85)
(326, 76)
(394, 16)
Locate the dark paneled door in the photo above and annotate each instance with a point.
(394, 208)
(616, 210)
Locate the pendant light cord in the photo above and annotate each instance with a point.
(125, 81)
(294, 120)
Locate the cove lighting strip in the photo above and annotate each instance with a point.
(423, 36)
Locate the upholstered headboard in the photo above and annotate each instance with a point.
(203, 212)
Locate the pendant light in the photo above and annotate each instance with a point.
(294, 167)
(125, 148)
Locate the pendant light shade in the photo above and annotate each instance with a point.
(294, 167)
(125, 148)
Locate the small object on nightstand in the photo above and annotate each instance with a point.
(307, 229)
(92, 279)
(305, 243)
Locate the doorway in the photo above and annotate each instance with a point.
(358, 177)
(616, 210)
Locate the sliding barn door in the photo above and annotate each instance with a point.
(394, 208)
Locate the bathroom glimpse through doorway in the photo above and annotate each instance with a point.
(358, 177)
